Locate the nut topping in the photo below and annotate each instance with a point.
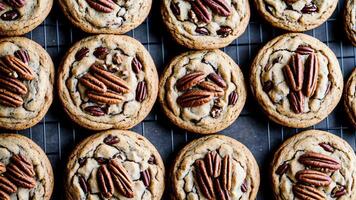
(2, 168)
(201, 11)
(141, 91)
(202, 31)
(93, 83)
(224, 31)
(203, 179)
(338, 191)
(233, 97)
(293, 73)
(105, 6)
(81, 53)
(282, 169)
(105, 182)
(304, 50)
(7, 186)
(110, 140)
(121, 178)
(136, 65)
(22, 55)
(327, 147)
(4, 196)
(213, 164)
(2, 6)
(221, 193)
(16, 3)
(194, 98)
(11, 63)
(10, 99)
(108, 97)
(317, 160)
(313, 177)
(212, 87)
(10, 15)
(219, 6)
(101, 52)
(311, 75)
(189, 80)
(310, 8)
(13, 85)
(20, 171)
(226, 173)
(296, 100)
(83, 184)
(244, 186)
(175, 8)
(95, 110)
(146, 177)
(216, 78)
(305, 192)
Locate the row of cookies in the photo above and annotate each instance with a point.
(119, 164)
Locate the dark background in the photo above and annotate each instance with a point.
(57, 135)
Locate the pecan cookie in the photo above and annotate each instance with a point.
(314, 165)
(205, 24)
(350, 20)
(296, 15)
(202, 91)
(106, 16)
(297, 80)
(108, 81)
(18, 17)
(25, 171)
(115, 164)
(26, 83)
(215, 167)
(350, 98)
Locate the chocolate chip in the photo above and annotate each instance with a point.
(268, 86)
(10, 15)
(110, 140)
(202, 31)
(282, 169)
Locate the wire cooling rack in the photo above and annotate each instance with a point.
(57, 135)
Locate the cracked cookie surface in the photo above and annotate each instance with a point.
(202, 91)
(215, 165)
(297, 80)
(205, 24)
(296, 15)
(26, 86)
(314, 164)
(21, 153)
(106, 16)
(350, 20)
(108, 81)
(350, 97)
(18, 17)
(140, 165)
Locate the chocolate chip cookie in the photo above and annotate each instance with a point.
(106, 16)
(115, 164)
(296, 15)
(108, 81)
(202, 91)
(205, 24)
(350, 98)
(25, 171)
(314, 165)
(297, 80)
(18, 17)
(26, 83)
(350, 20)
(215, 167)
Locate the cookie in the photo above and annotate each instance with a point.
(295, 15)
(314, 165)
(205, 24)
(115, 164)
(26, 83)
(215, 167)
(18, 17)
(25, 171)
(202, 91)
(106, 16)
(108, 81)
(297, 80)
(350, 98)
(350, 20)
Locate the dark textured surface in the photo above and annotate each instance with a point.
(57, 135)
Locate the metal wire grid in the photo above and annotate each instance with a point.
(57, 135)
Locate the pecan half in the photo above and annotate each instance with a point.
(101, 52)
(95, 110)
(22, 55)
(16, 3)
(105, 182)
(20, 171)
(327, 147)
(83, 184)
(309, 8)
(204, 181)
(226, 173)
(189, 80)
(291, 1)
(282, 169)
(268, 86)
(110, 140)
(201, 11)
(215, 111)
(108, 97)
(338, 191)
(304, 50)
(296, 100)
(221, 193)
(217, 79)
(233, 97)
(2, 168)
(194, 98)
(14, 64)
(121, 178)
(313, 177)
(311, 75)
(146, 177)
(136, 65)
(106, 6)
(10, 99)
(112, 81)
(293, 73)
(4, 196)
(2, 6)
(175, 8)
(219, 6)
(224, 31)
(306, 192)
(7, 186)
(244, 186)
(141, 91)
(318, 160)
(10, 15)
(202, 31)
(212, 87)
(213, 164)
(81, 53)
(93, 83)
(13, 85)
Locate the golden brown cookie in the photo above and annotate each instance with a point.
(350, 20)
(350, 97)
